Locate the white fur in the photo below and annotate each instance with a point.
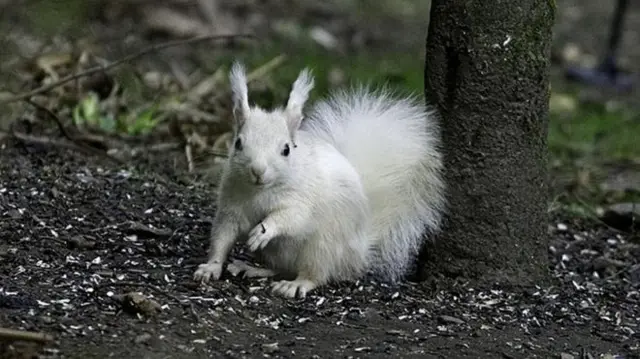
(393, 143)
(359, 190)
(297, 98)
(239, 90)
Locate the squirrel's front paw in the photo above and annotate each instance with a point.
(208, 271)
(260, 236)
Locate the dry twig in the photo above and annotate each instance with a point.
(53, 117)
(63, 144)
(21, 335)
(81, 140)
(181, 77)
(95, 69)
(266, 68)
(160, 147)
(75, 144)
(189, 154)
(259, 72)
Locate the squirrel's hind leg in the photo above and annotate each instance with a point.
(237, 266)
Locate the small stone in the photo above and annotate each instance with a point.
(142, 338)
(137, 303)
(566, 356)
(15, 214)
(80, 242)
(562, 227)
(447, 319)
(270, 348)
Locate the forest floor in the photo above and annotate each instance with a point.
(98, 248)
(80, 235)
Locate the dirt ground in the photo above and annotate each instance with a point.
(77, 233)
(101, 257)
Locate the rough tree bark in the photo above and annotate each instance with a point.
(487, 71)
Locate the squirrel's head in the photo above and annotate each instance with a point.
(264, 141)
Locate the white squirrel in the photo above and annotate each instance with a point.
(356, 186)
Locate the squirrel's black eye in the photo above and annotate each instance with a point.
(238, 145)
(285, 151)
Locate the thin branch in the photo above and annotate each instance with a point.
(152, 48)
(257, 73)
(54, 117)
(189, 154)
(82, 140)
(63, 144)
(178, 73)
(266, 68)
(160, 147)
(21, 335)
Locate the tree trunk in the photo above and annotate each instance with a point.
(487, 71)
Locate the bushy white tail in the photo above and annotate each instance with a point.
(393, 142)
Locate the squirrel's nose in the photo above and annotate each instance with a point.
(257, 172)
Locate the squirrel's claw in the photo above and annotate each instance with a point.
(259, 237)
(207, 271)
(293, 288)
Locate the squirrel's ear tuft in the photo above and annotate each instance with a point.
(297, 98)
(239, 90)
